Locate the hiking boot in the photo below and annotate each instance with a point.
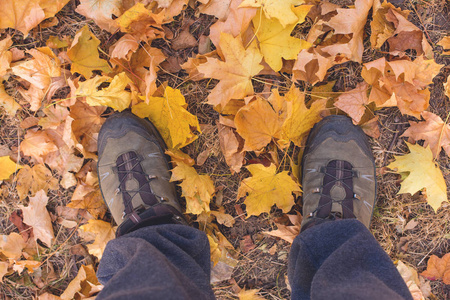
(338, 173)
(134, 174)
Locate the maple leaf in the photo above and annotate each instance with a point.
(197, 189)
(354, 102)
(37, 144)
(113, 96)
(124, 47)
(30, 265)
(84, 54)
(231, 148)
(445, 43)
(223, 218)
(102, 12)
(438, 268)
(179, 156)
(258, 124)
(352, 21)
(221, 9)
(266, 188)
(33, 179)
(12, 245)
(170, 117)
(423, 173)
(287, 232)
(7, 167)
(85, 284)
(275, 40)
(411, 279)
(103, 232)
(52, 7)
(381, 28)
(279, 9)
(3, 269)
(249, 295)
(5, 55)
(235, 23)
(37, 216)
(312, 65)
(22, 15)
(235, 73)
(299, 119)
(92, 202)
(434, 131)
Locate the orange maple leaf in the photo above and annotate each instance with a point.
(438, 268)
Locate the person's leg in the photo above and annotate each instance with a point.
(335, 256)
(156, 255)
(157, 262)
(342, 260)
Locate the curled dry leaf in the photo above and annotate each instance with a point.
(312, 65)
(433, 131)
(85, 284)
(411, 279)
(266, 188)
(37, 216)
(103, 233)
(231, 145)
(354, 102)
(423, 173)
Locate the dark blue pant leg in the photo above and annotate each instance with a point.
(342, 260)
(157, 262)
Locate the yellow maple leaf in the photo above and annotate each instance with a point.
(85, 283)
(276, 41)
(299, 119)
(84, 54)
(113, 96)
(266, 188)
(249, 295)
(22, 15)
(423, 173)
(279, 9)
(37, 216)
(170, 117)
(197, 189)
(258, 124)
(235, 74)
(34, 179)
(103, 232)
(7, 167)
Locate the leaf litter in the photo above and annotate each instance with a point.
(260, 92)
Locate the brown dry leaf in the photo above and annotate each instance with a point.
(354, 102)
(190, 66)
(433, 130)
(223, 218)
(84, 285)
(30, 265)
(438, 268)
(287, 232)
(37, 144)
(197, 189)
(447, 87)
(445, 43)
(235, 23)
(92, 202)
(234, 73)
(381, 28)
(25, 231)
(266, 188)
(231, 145)
(47, 296)
(37, 216)
(103, 233)
(5, 55)
(371, 128)
(312, 65)
(84, 54)
(299, 119)
(22, 15)
(103, 12)
(12, 245)
(7, 102)
(221, 9)
(124, 47)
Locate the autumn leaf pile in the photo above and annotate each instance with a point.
(71, 85)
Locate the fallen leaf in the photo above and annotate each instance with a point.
(179, 156)
(246, 244)
(223, 218)
(221, 9)
(423, 173)
(47, 296)
(299, 119)
(85, 283)
(312, 65)
(52, 7)
(433, 131)
(103, 233)
(278, 9)
(25, 231)
(249, 295)
(84, 54)
(266, 188)
(184, 40)
(3, 269)
(445, 43)
(438, 268)
(92, 202)
(231, 148)
(287, 232)
(30, 265)
(354, 102)
(170, 117)
(37, 144)
(5, 55)
(102, 12)
(196, 189)
(37, 216)
(12, 245)
(275, 40)
(7, 102)
(234, 73)
(124, 47)
(371, 128)
(7, 167)
(22, 15)
(114, 95)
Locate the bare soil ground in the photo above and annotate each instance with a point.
(257, 267)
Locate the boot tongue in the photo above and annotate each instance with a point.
(337, 192)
